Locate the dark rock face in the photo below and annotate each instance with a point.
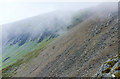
(33, 39)
(53, 36)
(23, 39)
(15, 41)
(45, 34)
(20, 39)
(6, 59)
(41, 38)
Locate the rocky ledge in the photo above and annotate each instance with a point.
(110, 68)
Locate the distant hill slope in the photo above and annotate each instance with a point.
(81, 51)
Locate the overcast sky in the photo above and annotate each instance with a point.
(10, 12)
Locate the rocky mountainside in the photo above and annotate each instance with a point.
(23, 40)
(81, 51)
(110, 68)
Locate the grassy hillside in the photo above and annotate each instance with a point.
(23, 56)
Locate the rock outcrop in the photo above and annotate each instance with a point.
(110, 68)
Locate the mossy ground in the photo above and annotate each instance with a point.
(117, 75)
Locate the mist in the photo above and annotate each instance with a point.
(55, 21)
(42, 17)
(11, 12)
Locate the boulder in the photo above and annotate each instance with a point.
(110, 68)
